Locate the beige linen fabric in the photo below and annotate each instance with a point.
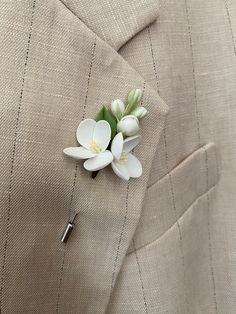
(55, 73)
(161, 244)
(187, 224)
(115, 21)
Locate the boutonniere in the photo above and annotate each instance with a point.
(111, 137)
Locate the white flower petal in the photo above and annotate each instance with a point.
(99, 162)
(79, 152)
(120, 170)
(131, 142)
(102, 134)
(134, 166)
(85, 131)
(117, 146)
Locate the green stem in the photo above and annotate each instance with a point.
(94, 174)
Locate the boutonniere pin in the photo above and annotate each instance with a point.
(111, 137)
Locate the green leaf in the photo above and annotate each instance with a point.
(100, 114)
(111, 120)
(105, 114)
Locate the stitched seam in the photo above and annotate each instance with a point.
(60, 280)
(209, 233)
(72, 192)
(75, 175)
(230, 25)
(14, 153)
(167, 166)
(194, 75)
(144, 87)
(89, 75)
(153, 59)
(172, 226)
(120, 238)
(140, 277)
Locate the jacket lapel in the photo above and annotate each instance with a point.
(109, 208)
(68, 74)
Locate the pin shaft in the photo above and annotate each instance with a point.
(67, 232)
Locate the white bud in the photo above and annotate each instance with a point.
(139, 112)
(128, 125)
(117, 108)
(135, 96)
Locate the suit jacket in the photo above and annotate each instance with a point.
(163, 243)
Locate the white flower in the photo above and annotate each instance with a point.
(94, 138)
(117, 108)
(125, 165)
(128, 125)
(139, 112)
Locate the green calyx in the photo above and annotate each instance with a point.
(105, 114)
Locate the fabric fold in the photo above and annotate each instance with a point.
(115, 21)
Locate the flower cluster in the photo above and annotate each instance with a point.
(110, 138)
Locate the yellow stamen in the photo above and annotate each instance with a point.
(123, 159)
(94, 147)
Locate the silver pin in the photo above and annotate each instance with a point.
(67, 232)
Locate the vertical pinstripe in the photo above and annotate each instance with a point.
(230, 25)
(168, 168)
(207, 171)
(194, 76)
(14, 153)
(123, 225)
(189, 57)
(120, 238)
(209, 233)
(134, 247)
(140, 277)
(75, 175)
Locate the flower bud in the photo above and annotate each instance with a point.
(128, 125)
(139, 112)
(117, 108)
(135, 96)
(133, 100)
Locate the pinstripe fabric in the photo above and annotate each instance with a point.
(12, 167)
(71, 209)
(57, 72)
(188, 56)
(164, 243)
(115, 21)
